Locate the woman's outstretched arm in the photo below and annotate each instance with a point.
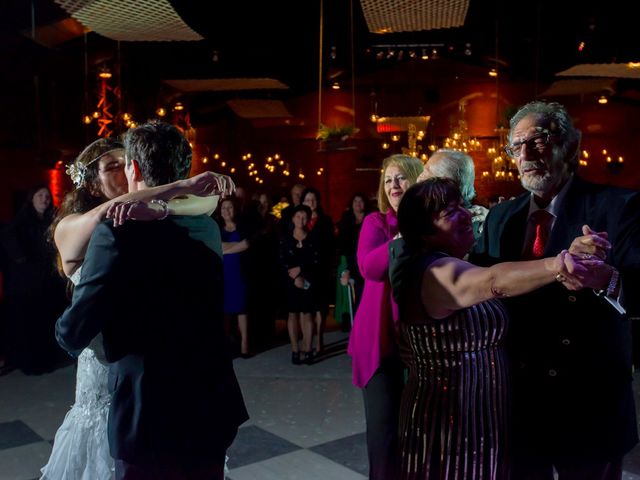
(450, 284)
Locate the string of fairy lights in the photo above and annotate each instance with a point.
(502, 167)
(273, 164)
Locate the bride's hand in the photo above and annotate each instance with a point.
(210, 183)
(133, 210)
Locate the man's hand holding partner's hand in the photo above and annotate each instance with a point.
(590, 244)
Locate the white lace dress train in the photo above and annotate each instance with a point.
(81, 447)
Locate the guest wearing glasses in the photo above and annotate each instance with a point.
(573, 406)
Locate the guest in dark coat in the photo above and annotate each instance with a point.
(349, 228)
(573, 406)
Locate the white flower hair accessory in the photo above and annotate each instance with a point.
(77, 172)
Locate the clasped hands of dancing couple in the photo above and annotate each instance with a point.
(584, 265)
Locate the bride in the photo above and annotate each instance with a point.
(80, 448)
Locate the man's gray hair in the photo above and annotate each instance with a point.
(558, 123)
(457, 166)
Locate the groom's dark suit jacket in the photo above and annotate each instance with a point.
(571, 351)
(155, 291)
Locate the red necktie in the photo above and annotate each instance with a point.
(542, 221)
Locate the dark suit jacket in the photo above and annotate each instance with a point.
(571, 351)
(154, 290)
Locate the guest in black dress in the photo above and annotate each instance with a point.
(34, 292)
(320, 228)
(300, 260)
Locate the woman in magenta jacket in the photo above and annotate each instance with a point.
(377, 368)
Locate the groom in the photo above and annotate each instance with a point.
(154, 290)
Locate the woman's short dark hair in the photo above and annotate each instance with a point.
(296, 209)
(418, 206)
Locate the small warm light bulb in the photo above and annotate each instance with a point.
(86, 119)
(178, 106)
(216, 156)
(385, 146)
(161, 112)
(104, 73)
(620, 160)
(96, 114)
(233, 170)
(608, 159)
(493, 72)
(335, 86)
(603, 100)
(223, 164)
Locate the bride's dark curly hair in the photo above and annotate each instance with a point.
(88, 193)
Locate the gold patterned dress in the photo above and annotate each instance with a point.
(453, 415)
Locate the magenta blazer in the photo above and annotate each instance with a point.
(374, 328)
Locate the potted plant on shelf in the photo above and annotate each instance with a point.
(335, 137)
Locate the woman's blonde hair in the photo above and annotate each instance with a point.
(410, 166)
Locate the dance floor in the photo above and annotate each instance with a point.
(307, 421)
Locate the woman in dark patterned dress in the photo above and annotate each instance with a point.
(454, 410)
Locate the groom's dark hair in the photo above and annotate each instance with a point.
(162, 152)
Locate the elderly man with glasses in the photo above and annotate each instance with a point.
(573, 407)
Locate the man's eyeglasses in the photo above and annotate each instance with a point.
(538, 141)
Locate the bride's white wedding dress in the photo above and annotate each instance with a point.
(81, 447)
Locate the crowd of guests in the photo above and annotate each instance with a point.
(489, 344)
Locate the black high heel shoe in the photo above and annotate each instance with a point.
(295, 358)
(308, 357)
